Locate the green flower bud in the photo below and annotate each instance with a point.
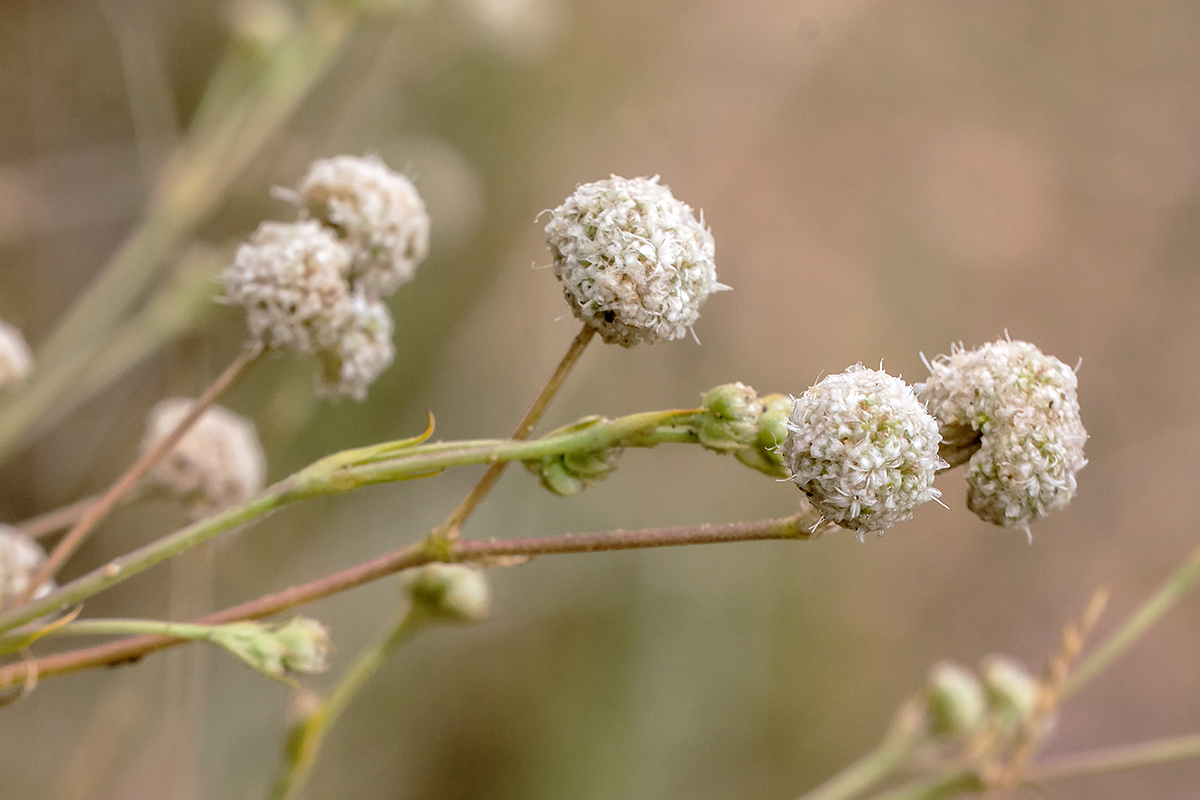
(569, 474)
(299, 645)
(1011, 691)
(730, 419)
(763, 455)
(954, 700)
(450, 592)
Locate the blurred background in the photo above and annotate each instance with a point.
(882, 180)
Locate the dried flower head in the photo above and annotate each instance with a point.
(1021, 406)
(15, 359)
(373, 210)
(218, 463)
(862, 447)
(20, 557)
(634, 262)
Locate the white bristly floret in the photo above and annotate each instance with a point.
(15, 359)
(291, 278)
(374, 211)
(862, 447)
(635, 263)
(219, 463)
(364, 350)
(1022, 406)
(20, 557)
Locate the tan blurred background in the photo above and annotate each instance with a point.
(882, 179)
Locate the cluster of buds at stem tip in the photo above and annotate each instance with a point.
(568, 474)
(635, 263)
(219, 462)
(299, 646)
(317, 284)
(959, 703)
(1019, 408)
(20, 557)
(15, 359)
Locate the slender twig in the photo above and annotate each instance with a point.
(952, 784)
(450, 528)
(890, 755)
(129, 481)
(304, 744)
(56, 519)
(804, 525)
(1116, 759)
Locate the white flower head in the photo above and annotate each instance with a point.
(15, 359)
(363, 350)
(291, 278)
(1022, 407)
(20, 557)
(862, 447)
(219, 462)
(635, 263)
(374, 211)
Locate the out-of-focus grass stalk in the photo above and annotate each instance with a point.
(228, 134)
(881, 763)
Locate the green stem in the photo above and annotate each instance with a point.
(938, 787)
(890, 755)
(305, 744)
(1117, 759)
(320, 479)
(1175, 587)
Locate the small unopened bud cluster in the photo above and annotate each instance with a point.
(20, 557)
(299, 646)
(736, 420)
(1021, 407)
(316, 285)
(862, 447)
(219, 462)
(999, 699)
(634, 262)
(15, 359)
(450, 592)
(568, 474)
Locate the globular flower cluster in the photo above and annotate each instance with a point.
(219, 462)
(316, 285)
(634, 262)
(15, 359)
(1021, 406)
(862, 447)
(20, 557)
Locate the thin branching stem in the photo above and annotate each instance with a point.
(805, 525)
(124, 485)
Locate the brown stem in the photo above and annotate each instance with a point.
(56, 519)
(129, 481)
(804, 525)
(450, 528)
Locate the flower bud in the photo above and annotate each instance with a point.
(1012, 693)
(218, 463)
(863, 448)
(763, 454)
(955, 702)
(15, 359)
(730, 418)
(20, 557)
(1022, 406)
(376, 212)
(299, 645)
(634, 262)
(450, 592)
